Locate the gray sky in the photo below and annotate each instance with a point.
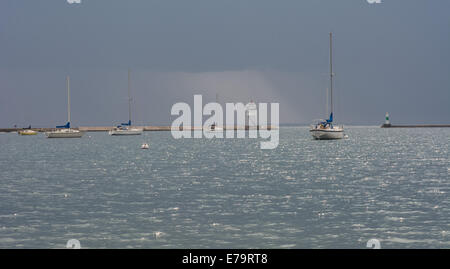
(392, 57)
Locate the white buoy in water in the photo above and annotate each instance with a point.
(158, 234)
(144, 146)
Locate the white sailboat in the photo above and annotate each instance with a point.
(325, 129)
(213, 127)
(27, 131)
(65, 131)
(126, 128)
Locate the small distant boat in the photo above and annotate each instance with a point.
(65, 131)
(213, 127)
(125, 128)
(27, 132)
(144, 146)
(325, 129)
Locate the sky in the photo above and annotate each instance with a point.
(389, 57)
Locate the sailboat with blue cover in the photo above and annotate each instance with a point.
(126, 128)
(326, 129)
(64, 131)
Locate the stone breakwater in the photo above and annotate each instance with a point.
(146, 128)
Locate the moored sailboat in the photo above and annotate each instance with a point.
(325, 129)
(65, 131)
(126, 128)
(27, 132)
(213, 127)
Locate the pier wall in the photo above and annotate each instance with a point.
(146, 128)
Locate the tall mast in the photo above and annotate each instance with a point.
(68, 99)
(129, 98)
(331, 71)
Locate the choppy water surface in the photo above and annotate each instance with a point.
(388, 184)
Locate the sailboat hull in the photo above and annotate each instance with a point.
(126, 132)
(327, 134)
(27, 132)
(65, 134)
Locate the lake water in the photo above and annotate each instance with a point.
(388, 184)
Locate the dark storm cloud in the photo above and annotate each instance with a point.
(388, 57)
